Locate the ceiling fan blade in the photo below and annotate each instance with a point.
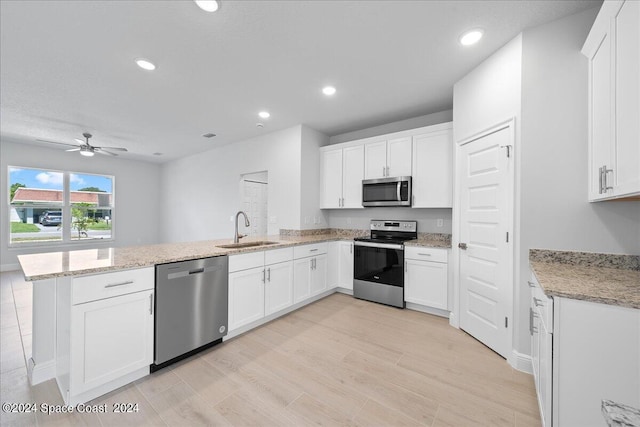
(112, 148)
(100, 151)
(58, 143)
(73, 149)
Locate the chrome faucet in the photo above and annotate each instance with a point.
(237, 237)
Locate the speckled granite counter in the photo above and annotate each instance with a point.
(602, 278)
(72, 263)
(431, 240)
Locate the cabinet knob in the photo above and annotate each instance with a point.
(462, 246)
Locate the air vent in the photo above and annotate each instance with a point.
(209, 135)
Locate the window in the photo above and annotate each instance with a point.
(48, 206)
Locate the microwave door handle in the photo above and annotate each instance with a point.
(398, 195)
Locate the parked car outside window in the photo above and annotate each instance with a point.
(51, 218)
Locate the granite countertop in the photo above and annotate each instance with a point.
(73, 263)
(601, 278)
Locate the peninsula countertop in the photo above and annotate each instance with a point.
(90, 261)
(601, 278)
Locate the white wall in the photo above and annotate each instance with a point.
(310, 214)
(200, 192)
(555, 211)
(412, 123)
(487, 96)
(137, 195)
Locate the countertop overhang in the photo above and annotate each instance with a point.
(50, 265)
(600, 278)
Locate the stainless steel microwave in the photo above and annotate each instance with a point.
(394, 191)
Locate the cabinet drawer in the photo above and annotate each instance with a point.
(107, 285)
(310, 250)
(542, 304)
(425, 254)
(278, 255)
(246, 261)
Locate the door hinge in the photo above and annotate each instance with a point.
(506, 322)
(507, 237)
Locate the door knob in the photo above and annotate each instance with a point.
(462, 246)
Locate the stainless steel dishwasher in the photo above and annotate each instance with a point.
(191, 308)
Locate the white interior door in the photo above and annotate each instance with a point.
(255, 206)
(486, 266)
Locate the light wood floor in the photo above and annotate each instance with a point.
(339, 361)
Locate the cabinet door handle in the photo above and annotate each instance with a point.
(351, 248)
(605, 171)
(263, 275)
(151, 304)
(269, 274)
(313, 250)
(537, 302)
(600, 180)
(405, 266)
(421, 254)
(531, 284)
(113, 285)
(530, 321)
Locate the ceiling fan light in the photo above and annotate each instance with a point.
(86, 152)
(145, 64)
(208, 5)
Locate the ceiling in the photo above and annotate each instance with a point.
(68, 66)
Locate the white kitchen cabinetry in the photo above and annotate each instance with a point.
(613, 51)
(341, 174)
(541, 331)
(582, 352)
(309, 271)
(426, 277)
(278, 293)
(345, 265)
(260, 283)
(433, 169)
(387, 158)
(246, 297)
(104, 332)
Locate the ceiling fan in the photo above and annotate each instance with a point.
(85, 148)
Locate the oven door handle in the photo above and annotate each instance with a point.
(379, 245)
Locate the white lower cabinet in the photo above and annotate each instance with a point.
(260, 283)
(582, 352)
(345, 265)
(310, 277)
(104, 332)
(246, 297)
(426, 277)
(278, 288)
(110, 338)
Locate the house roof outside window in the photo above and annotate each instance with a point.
(45, 196)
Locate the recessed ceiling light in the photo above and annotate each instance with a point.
(209, 135)
(145, 64)
(471, 37)
(264, 114)
(329, 90)
(208, 5)
(158, 154)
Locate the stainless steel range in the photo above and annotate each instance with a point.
(378, 273)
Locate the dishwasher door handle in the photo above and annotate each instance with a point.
(185, 273)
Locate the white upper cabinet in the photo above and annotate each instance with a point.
(341, 174)
(387, 158)
(375, 160)
(433, 169)
(613, 50)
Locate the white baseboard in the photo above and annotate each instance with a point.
(522, 362)
(9, 267)
(453, 320)
(41, 372)
(345, 291)
(428, 310)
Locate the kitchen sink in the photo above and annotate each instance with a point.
(247, 244)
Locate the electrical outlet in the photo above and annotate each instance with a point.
(440, 222)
